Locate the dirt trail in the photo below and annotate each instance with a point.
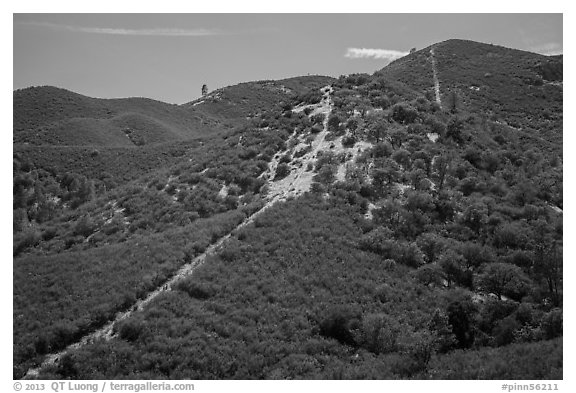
(436, 81)
(296, 183)
(300, 178)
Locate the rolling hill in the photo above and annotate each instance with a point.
(52, 116)
(312, 227)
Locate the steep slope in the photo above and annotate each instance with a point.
(516, 88)
(117, 140)
(351, 230)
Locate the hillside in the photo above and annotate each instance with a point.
(350, 228)
(250, 98)
(52, 116)
(519, 90)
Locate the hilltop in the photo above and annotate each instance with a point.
(347, 228)
(515, 88)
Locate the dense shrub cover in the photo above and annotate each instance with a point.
(429, 244)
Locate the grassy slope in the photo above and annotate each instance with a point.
(52, 116)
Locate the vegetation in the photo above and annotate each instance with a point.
(428, 246)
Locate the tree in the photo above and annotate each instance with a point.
(339, 324)
(454, 129)
(504, 279)
(476, 255)
(430, 274)
(382, 150)
(404, 114)
(548, 259)
(431, 245)
(475, 216)
(397, 137)
(389, 214)
(408, 254)
(451, 264)
(325, 175)
(334, 123)
(417, 348)
(402, 157)
(418, 179)
(420, 201)
(378, 130)
(282, 170)
(386, 174)
(439, 325)
(204, 90)
(352, 125)
(441, 165)
(380, 333)
(453, 101)
(460, 314)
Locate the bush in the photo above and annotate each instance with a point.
(325, 175)
(318, 118)
(130, 329)
(404, 114)
(67, 367)
(316, 128)
(504, 279)
(408, 254)
(417, 348)
(454, 129)
(28, 238)
(444, 337)
(340, 324)
(282, 170)
(194, 289)
(285, 159)
(348, 141)
(334, 123)
(429, 275)
(84, 227)
(551, 324)
(402, 157)
(385, 293)
(382, 150)
(49, 233)
(389, 264)
(460, 314)
(505, 331)
(380, 333)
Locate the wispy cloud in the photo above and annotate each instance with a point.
(548, 49)
(384, 54)
(160, 32)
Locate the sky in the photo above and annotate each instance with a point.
(169, 57)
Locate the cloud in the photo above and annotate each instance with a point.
(385, 54)
(548, 49)
(159, 32)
